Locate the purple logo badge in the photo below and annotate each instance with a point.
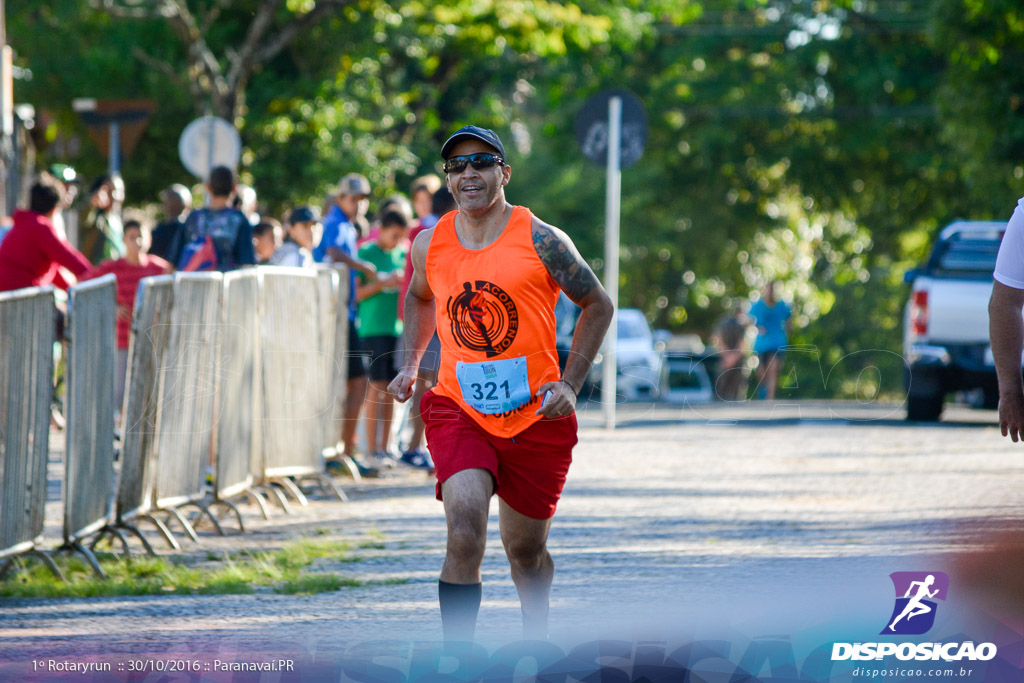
(916, 592)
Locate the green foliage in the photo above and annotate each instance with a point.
(819, 142)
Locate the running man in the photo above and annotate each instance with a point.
(501, 417)
(915, 607)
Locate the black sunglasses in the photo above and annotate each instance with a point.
(479, 161)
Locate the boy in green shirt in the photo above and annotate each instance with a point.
(380, 328)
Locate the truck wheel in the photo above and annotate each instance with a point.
(924, 408)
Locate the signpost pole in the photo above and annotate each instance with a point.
(211, 141)
(114, 148)
(611, 256)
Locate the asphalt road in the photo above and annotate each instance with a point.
(681, 522)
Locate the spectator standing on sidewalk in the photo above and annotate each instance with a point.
(423, 189)
(393, 202)
(441, 202)
(245, 200)
(177, 200)
(69, 180)
(728, 338)
(1006, 326)
(102, 235)
(303, 233)
(215, 237)
(338, 245)
(135, 265)
(380, 328)
(32, 251)
(771, 316)
(267, 238)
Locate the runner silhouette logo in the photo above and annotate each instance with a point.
(483, 318)
(916, 593)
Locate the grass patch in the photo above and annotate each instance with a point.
(388, 582)
(373, 539)
(282, 571)
(310, 584)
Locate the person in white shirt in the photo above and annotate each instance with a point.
(303, 233)
(1006, 326)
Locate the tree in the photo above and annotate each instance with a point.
(217, 79)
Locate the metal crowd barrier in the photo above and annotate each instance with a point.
(234, 423)
(327, 304)
(185, 435)
(89, 478)
(27, 333)
(333, 285)
(294, 385)
(151, 326)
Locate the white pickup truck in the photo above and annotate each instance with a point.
(945, 331)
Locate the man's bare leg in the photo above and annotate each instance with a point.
(355, 396)
(525, 541)
(467, 496)
(385, 414)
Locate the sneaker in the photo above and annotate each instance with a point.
(418, 458)
(56, 418)
(382, 460)
(339, 466)
(336, 467)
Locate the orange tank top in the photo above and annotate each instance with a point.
(495, 310)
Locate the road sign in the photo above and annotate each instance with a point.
(209, 142)
(612, 131)
(114, 125)
(592, 130)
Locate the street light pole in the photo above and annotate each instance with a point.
(609, 390)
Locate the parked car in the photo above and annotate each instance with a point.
(640, 369)
(946, 342)
(688, 368)
(566, 315)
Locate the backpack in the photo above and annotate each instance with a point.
(199, 253)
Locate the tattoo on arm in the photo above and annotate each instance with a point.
(563, 261)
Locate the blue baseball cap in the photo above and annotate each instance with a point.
(302, 214)
(473, 132)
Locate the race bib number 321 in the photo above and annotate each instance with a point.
(492, 387)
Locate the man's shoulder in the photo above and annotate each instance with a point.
(551, 243)
(335, 217)
(225, 213)
(543, 230)
(287, 252)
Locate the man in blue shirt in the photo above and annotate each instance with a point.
(338, 245)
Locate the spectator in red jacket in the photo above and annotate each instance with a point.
(135, 265)
(33, 251)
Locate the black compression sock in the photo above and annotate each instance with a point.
(535, 628)
(459, 606)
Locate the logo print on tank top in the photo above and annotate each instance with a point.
(483, 318)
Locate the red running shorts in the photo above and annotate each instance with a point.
(528, 470)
